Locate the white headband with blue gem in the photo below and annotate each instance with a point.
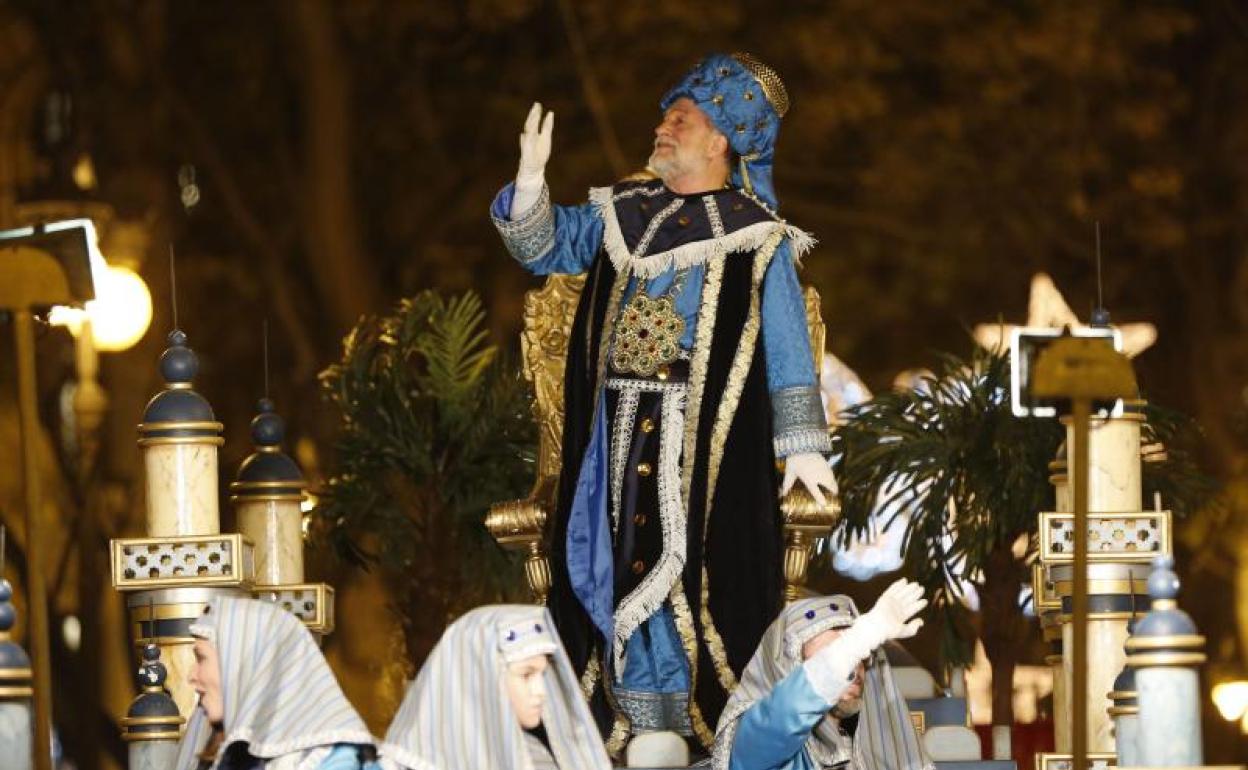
(524, 639)
(811, 617)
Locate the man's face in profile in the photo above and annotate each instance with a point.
(685, 141)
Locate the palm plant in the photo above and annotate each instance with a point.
(435, 427)
(967, 479)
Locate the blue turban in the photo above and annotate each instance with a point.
(745, 100)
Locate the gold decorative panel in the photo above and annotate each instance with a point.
(1043, 590)
(313, 603)
(143, 564)
(1112, 537)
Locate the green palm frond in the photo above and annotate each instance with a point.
(452, 341)
(435, 427)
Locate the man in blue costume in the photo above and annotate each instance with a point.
(689, 373)
(820, 692)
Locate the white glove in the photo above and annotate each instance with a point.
(534, 152)
(890, 618)
(813, 471)
(832, 667)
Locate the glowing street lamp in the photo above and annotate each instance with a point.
(121, 310)
(119, 315)
(1231, 698)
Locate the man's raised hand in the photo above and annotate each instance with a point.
(892, 617)
(535, 146)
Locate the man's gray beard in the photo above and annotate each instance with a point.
(665, 168)
(842, 710)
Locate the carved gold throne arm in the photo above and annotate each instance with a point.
(521, 524)
(805, 521)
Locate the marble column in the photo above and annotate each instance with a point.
(1111, 602)
(1166, 652)
(16, 691)
(179, 437)
(268, 496)
(1114, 473)
(1061, 700)
(1124, 709)
(181, 483)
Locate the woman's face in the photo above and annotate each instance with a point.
(526, 688)
(205, 678)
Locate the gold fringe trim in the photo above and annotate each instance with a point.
(736, 376)
(620, 731)
(719, 433)
(699, 361)
(589, 680)
(698, 364)
(689, 639)
(714, 642)
(621, 727)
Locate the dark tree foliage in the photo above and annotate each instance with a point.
(434, 428)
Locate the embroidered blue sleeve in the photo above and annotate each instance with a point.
(774, 730)
(547, 238)
(345, 756)
(799, 424)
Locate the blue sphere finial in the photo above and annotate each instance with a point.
(1162, 582)
(178, 364)
(267, 428)
(8, 613)
(153, 672)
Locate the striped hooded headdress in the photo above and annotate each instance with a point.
(281, 698)
(456, 715)
(885, 738)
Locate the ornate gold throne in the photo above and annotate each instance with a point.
(522, 524)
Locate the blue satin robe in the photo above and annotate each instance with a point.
(772, 734)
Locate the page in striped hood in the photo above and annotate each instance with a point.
(281, 698)
(457, 715)
(885, 738)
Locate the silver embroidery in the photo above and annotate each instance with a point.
(796, 409)
(654, 225)
(645, 386)
(803, 441)
(621, 445)
(649, 596)
(653, 711)
(712, 213)
(649, 192)
(532, 236)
